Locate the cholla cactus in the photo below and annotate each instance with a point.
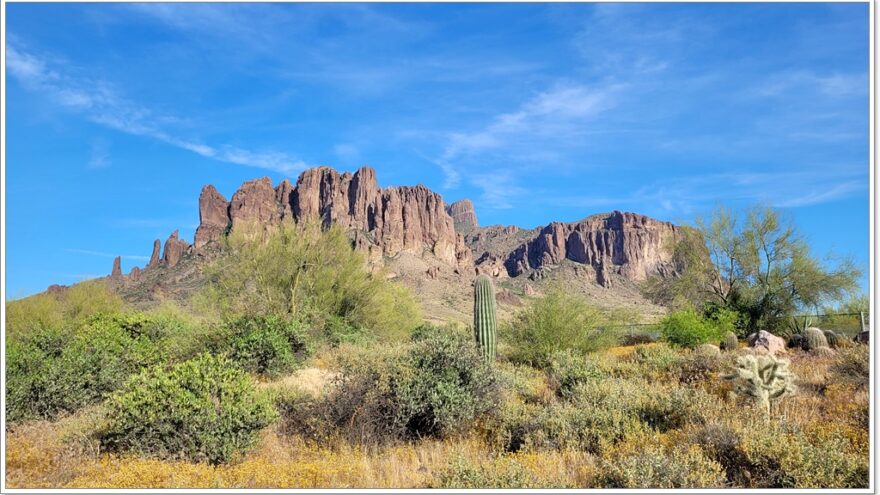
(764, 378)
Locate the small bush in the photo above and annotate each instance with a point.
(437, 385)
(556, 322)
(266, 345)
(500, 472)
(658, 358)
(688, 329)
(659, 467)
(202, 410)
(853, 366)
(567, 370)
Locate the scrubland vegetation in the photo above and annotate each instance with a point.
(296, 367)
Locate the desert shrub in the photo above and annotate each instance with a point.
(45, 310)
(698, 367)
(52, 371)
(688, 328)
(659, 467)
(853, 366)
(299, 412)
(567, 370)
(657, 359)
(308, 273)
(266, 345)
(504, 471)
(600, 414)
(203, 410)
(437, 385)
(556, 322)
(522, 381)
(783, 457)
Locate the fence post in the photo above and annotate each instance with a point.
(862, 318)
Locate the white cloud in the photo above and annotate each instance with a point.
(99, 103)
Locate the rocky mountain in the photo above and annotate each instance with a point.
(411, 230)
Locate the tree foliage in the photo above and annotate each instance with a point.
(304, 272)
(756, 263)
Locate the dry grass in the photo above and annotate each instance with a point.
(63, 453)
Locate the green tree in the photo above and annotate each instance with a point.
(761, 267)
(307, 273)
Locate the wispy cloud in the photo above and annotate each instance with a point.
(107, 255)
(557, 118)
(100, 103)
(100, 154)
(685, 195)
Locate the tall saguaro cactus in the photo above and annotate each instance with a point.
(484, 316)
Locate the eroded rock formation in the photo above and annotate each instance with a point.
(174, 249)
(631, 245)
(384, 222)
(117, 267)
(213, 217)
(154, 258)
(464, 217)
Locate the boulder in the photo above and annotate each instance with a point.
(764, 342)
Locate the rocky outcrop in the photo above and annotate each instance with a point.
(134, 274)
(464, 217)
(254, 202)
(630, 245)
(213, 217)
(174, 249)
(383, 222)
(117, 267)
(154, 258)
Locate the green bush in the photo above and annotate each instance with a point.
(499, 472)
(658, 467)
(307, 273)
(558, 321)
(54, 311)
(567, 370)
(266, 345)
(51, 371)
(657, 359)
(598, 415)
(202, 410)
(437, 385)
(688, 329)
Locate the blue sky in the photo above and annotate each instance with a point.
(117, 114)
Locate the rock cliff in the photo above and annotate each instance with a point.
(413, 220)
(628, 244)
(464, 217)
